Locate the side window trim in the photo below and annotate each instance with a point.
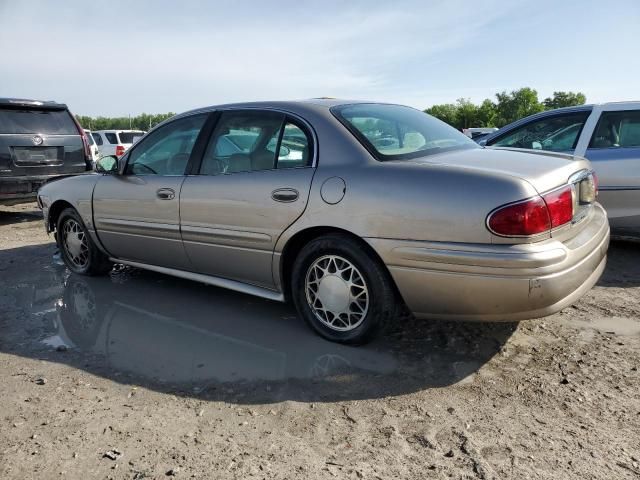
(311, 141)
(137, 145)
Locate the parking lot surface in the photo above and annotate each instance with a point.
(140, 375)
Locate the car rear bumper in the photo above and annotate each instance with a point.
(497, 282)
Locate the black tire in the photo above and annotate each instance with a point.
(83, 259)
(381, 301)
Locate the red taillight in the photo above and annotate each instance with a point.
(534, 216)
(560, 204)
(119, 150)
(530, 217)
(85, 140)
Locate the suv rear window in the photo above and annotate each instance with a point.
(127, 137)
(29, 120)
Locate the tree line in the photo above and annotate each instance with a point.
(144, 121)
(507, 108)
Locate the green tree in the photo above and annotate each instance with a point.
(517, 104)
(487, 114)
(564, 99)
(448, 113)
(466, 114)
(144, 121)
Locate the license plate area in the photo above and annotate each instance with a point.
(37, 156)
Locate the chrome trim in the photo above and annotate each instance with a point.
(484, 258)
(616, 188)
(209, 280)
(225, 234)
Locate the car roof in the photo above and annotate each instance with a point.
(294, 106)
(26, 102)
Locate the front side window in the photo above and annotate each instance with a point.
(252, 141)
(97, 138)
(559, 133)
(166, 151)
(395, 132)
(617, 130)
(112, 138)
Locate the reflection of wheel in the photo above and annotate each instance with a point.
(341, 289)
(79, 313)
(79, 252)
(328, 364)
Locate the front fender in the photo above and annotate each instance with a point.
(75, 191)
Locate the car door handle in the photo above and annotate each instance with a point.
(285, 195)
(166, 194)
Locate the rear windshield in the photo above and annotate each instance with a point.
(52, 122)
(392, 132)
(129, 137)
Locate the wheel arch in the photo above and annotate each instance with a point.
(297, 241)
(55, 210)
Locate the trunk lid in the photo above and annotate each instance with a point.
(543, 170)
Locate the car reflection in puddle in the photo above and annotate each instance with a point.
(174, 335)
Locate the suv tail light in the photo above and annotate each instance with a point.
(85, 142)
(119, 150)
(533, 216)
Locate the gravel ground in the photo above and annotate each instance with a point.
(138, 375)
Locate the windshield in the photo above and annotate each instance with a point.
(129, 137)
(392, 132)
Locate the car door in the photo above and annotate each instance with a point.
(137, 213)
(557, 132)
(252, 183)
(614, 150)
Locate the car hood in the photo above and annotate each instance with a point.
(543, 170)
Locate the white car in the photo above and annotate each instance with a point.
(116, 142)
(93, 148)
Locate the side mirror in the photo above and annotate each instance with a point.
(483, 142)
(108, 164)
(536, 145)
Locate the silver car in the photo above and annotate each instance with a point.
(607, 134)
(349, 209)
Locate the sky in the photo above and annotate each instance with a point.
(115, 58)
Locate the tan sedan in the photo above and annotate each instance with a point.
(350, 209)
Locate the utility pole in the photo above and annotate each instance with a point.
(129, 121)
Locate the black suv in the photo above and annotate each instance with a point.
(38, 141)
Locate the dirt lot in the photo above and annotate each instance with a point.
(138, 375)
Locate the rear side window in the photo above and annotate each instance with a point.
(617, 130)
(112, 138)
(51, 122)
(97, 138)
(556, 134)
